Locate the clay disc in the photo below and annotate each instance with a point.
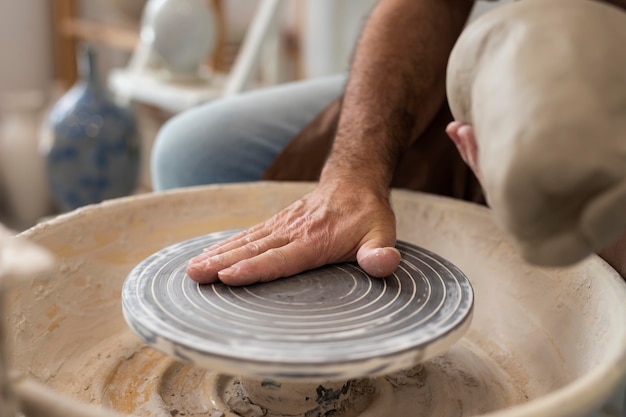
(335, 322)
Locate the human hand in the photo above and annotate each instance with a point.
(462, 134)
(334, 223)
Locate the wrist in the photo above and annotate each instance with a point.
(364, 180)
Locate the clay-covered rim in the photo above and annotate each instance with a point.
(574, 399)
(595, 387)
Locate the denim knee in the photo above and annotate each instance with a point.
(211, 144)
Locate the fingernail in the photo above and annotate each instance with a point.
(454, 138)
(229, 272)
(196, 273)
(464, 129)
(197, 259)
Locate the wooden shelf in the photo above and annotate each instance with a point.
(70, 28)
(64, 46)
(153, 89)
(117, 37)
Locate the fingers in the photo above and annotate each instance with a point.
(205, 267)
(246, 262)
(274, 263)
(327, 226)
(377, 259)
(239, 239)
(462, 135)
(457, 131)
(468, 141)
(452, 131)
(377, 256)
(266, 260)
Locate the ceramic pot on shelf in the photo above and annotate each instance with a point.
(181, 33)
(94, 149)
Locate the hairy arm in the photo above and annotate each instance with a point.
(395, 88)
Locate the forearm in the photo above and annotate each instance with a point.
(396, 86)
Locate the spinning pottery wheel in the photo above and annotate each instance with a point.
(334, 322)
(297, 345)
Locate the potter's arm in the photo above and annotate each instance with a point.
(396, 86)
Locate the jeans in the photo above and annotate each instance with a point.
(236, 139)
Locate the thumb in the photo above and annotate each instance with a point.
(377, 259)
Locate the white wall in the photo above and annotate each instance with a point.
(330, 33)
(332, 28)
(25, 45)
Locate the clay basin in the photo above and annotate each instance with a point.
(542, 342)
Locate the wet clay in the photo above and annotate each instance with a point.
(549, 342)
(543, 85)
(464, 381)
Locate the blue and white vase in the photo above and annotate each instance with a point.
(94, 149)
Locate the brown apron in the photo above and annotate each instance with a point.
(432, 164)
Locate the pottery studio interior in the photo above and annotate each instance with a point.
(434, 225)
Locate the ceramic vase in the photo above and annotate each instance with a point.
(181, 33)
(94, 149)
(25, 197)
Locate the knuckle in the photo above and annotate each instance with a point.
(278, 255)
(253, 248)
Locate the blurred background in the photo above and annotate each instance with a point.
(250, 44)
